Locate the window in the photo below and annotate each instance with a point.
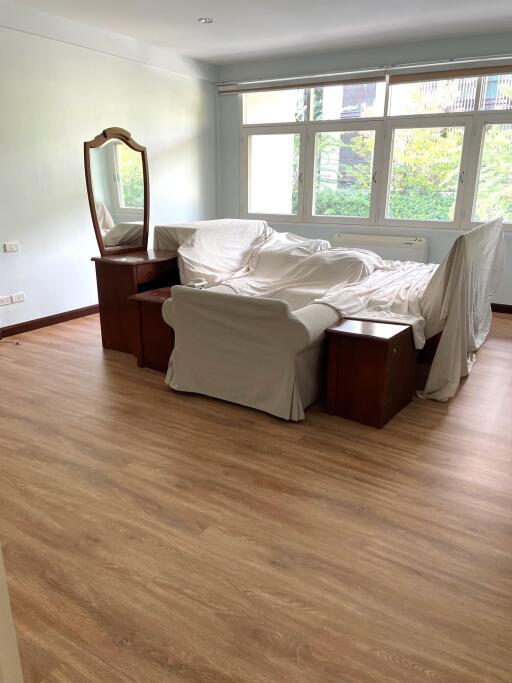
(129, 176)
(497, 92)
(425, 167)
(275, 106)
(343, 173)
(274, 173)
(433, 97)
(352, 101)
(411, 149)
(494, 186)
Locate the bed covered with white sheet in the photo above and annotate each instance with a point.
(250, 259)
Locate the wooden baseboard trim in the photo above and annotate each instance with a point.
(30, 325)
(501, 308)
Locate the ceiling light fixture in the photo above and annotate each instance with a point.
(205, 20)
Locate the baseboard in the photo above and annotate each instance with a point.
(501, 308)
(29, 325)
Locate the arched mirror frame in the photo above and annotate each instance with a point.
(124, 136)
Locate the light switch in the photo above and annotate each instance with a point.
(11, 246)
(5, 300)
(18, 297)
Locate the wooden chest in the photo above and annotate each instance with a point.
(371, 370)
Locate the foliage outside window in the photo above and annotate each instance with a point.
(425, 167)
(343, 173)
(494, 189)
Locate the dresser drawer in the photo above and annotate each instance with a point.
(149, 272)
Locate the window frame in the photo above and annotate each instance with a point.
(342, 125)
(243, 109)
(483, 118)
(124, 213)
(425, 121)
(271, 129)
(474, 126)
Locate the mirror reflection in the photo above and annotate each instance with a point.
(118, 186)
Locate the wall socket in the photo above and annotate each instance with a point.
(5, 300)
(18, 297)
(11, 246)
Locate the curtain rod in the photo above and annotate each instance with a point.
(231, 87)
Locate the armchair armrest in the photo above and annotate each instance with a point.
(315, 319)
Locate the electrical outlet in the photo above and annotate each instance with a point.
(5, 300)
(18, 297)
(11, 246)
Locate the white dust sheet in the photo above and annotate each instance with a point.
(252, 259)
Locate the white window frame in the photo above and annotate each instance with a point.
(341, 126)
(123, 213)
(425, 121)
(481, 120)
(243, 110)
(271, 129)
(473, 121)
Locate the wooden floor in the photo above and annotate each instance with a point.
(152, 537)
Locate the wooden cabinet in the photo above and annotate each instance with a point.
(154, 337)
(371, 370)
(119, 277)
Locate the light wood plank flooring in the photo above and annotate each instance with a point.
(152, 537)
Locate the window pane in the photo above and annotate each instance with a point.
(274, 173)
(494, 193)
(275, 106)
(343, 173)
(433, 97)
(351, 101)
(496, 92)
(129, 168)
(425, 169)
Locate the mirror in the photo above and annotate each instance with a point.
(116, 174)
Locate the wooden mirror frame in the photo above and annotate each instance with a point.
(124, 136)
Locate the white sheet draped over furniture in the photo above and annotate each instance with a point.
(261, 267)
(124, 234)
(213, 250)
(457, 301)
(251, 351)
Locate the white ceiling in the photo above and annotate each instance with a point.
(245, 29)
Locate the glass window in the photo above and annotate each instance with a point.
(343, 173)
(273, 173)
(494, 189)
(275, 106)
(496, 92)
(425, 167)
(129, 177)
(433, 97)
(351, 101)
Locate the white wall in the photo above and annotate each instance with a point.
(376, 56)
(440, 239)
(53, 97)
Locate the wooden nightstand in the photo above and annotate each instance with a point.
(119, 277)
(371, 370)
(155, 338)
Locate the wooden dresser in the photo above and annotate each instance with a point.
(119, 277)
